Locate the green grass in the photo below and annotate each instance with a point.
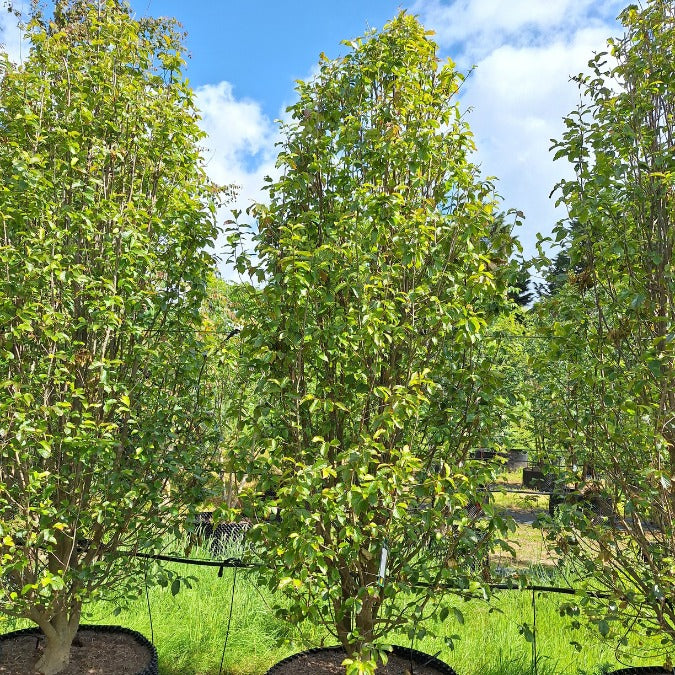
(190, 629)
(520, 501)
(491, 642)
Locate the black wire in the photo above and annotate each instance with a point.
(550, 589)
(230, 333)
(237, 563)
(412, 643)
(228, 562)
(229, 619)
(534, 634)
(147, 598)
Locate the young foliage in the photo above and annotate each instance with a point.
(105, 213)
(381, 265)
(224, 381)
(615, 321)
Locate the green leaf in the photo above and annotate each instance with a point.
(44, 449)
(525, 630)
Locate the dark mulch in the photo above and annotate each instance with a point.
(96, 653)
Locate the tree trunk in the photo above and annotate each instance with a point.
(365, 621)
(59, 634)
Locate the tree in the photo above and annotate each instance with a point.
(616, 330)
(105, 213)
(520, 292)
(381, 270)
(228, 386)
(560, 270)
(510, 422)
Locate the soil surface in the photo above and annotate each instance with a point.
(328, 662)
(98, 654)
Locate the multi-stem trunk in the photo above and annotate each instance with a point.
(59, 623)
(364, 620)
(59, 631)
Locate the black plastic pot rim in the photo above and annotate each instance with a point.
(417, 657)
(152, 667)
(643, 670)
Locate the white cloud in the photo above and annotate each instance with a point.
(239, 148)
(525, 52)
(519, 97)
(466, 20)
(473, 28)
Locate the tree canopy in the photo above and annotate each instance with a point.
(613, 322)
(105, 216)
(382, 266)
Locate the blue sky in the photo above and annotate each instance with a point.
(245, 57)
(263, 46)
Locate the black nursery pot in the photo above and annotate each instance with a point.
(535, 478)
(219, 536)
(418, 659)
(642, 670)
(151, 667)
(516, 459)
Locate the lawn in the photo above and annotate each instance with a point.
(190, 630)
(191, 627)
